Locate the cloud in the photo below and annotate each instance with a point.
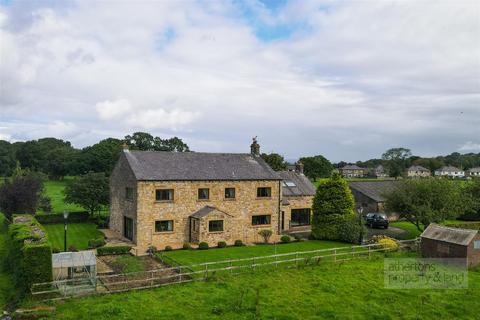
(108, 110)
(343, 79)
(470, 146)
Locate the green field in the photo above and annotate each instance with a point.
(349, 290)
(78, 235)
(54, 190)
(412, 231)
(189, 257)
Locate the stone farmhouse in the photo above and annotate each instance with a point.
(170, 198)
(418, 172)
(352, 171)
(450, 171)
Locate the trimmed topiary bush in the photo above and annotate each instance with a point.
(104, 251)
(222, 244)
(96, 243)
(238, 243)
(285, 239)
(203, 246)
(187, 246)
(168, 248)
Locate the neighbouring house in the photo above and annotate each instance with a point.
(370, 194)
(379, 172)
(170, 198)
(450, 171)
(352, 171)
(418, 172)
(297, 199)
(446, 242)
(473, 172)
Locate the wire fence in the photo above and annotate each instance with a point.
(177, 273)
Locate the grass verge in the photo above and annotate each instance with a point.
(78, 235)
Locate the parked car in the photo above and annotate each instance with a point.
(377, 220)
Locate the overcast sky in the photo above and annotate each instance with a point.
(346, 79)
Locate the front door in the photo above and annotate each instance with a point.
(128, 228)
(300, 217)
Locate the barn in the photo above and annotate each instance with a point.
(446, 242)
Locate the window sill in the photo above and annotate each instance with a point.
(261, 225)
(164, 201)
(214, 232)
(203, 200)
(229, 199)
(163, 232)
(263, 198)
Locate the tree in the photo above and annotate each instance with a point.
(423, 201)
(7, 158)
(275, 161)
(316, 167)
(472, 192)
(174, 144)
(333, 215)
(20, 194)
(396, 158)
(101, 157)
(89, 191)
(146, 142)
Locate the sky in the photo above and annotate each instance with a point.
(345, 79)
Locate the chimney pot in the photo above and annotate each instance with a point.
(299, 167)
(255, 147)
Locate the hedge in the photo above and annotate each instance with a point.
(466, 225)
(73, 217)
(338, 227)
(30, 254)
(104, 251)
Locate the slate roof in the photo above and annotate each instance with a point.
(449, 169)
(374, 189)
(178, 166)
(351, 167)
(448, 234)
(417, 168)
(303, 186)
(206, 211)
(476, 169)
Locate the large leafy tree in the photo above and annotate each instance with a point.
(396, 160)
(333, 215)
(316, 167)
(423, 201)
(7, 158)
(89, 191)
(275, 161)
(21, 193)
(100, 157)
(146, 142)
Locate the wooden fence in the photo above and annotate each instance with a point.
(178, 273)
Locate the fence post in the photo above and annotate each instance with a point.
(296, 259)
(353, 253)
(231, 269)
(180, 271)
(253, 263)
(206, 272)
(335, 255)
(369, 251)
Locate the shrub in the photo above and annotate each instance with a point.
(238, 243)
(103, 251)
(74, 217)
(339, 227)
(168, 248)
(152, 250)
(388, 243)
(72, 248)
(29, 253)
(55, 250)
(203, 246)
(187, 246)
(222, 244)
(45, 204)
(266, 234)
(96, 243)
(285, 239)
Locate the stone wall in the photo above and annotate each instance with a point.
(185, 203)
(121, 178)
(295, 203)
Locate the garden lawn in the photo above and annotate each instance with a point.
(189, 257)
(349, 290)
(78, 235)
(411, 230)
(54, 190)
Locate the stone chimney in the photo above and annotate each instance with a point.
(299, 167)
(255, 147)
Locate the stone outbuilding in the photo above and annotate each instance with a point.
(370, 195)
(447, 242)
